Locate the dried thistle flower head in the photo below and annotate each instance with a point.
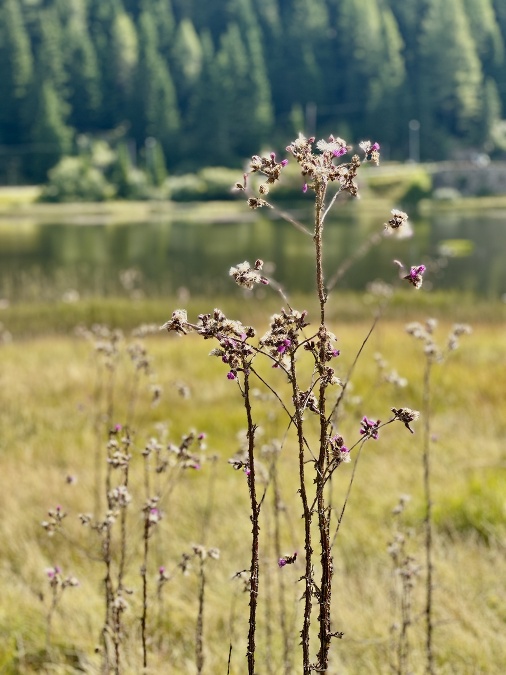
(457, 330)
(178, 322)
(406, 415)
(320, 168)
(247, 276)
(371, 151)
(398, 225)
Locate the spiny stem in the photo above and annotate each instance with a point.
(200, 620)
(254, 570)
(307, 516)
(428, 521)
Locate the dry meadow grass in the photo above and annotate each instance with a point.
(51, 391)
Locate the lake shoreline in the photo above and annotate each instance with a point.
(19, 204)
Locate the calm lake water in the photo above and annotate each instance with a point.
(47, 261)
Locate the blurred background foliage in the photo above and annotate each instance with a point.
(133, 89)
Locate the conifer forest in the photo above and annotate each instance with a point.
(210, 82)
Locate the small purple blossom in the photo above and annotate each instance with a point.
(369, 428)
(304, 188)
(371, 151)
(287, 560)
(415, 275)
(284, 162)
(284, 346)
(231, 375)
(340, 151)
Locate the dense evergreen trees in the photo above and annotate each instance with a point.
(181, 83)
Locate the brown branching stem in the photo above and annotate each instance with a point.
(325, 595)
(307, 517)
(255, 512)
(199, 643)
(428, 522)
(144, 575)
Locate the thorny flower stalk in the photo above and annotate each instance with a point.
(433, 354)
(118, 498)
(107, 344)
(405, 572)
(203, 554)
(152, 516)
(287, 640)
(281, 344)
(58, 584)
(255, 531)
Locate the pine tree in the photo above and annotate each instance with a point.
(124, 56)
(387, 110)
(101, 17)
(297, 52)
(50, 135)
(205, 128)
(500, 15)
(486, 33)
(156, 113)
(16, 70)
(186, 59)
(451, 81)
(256, 85)
(370, 60)
(83, 75)
(49, 51)
(163, 15)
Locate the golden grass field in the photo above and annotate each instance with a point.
(53, 398)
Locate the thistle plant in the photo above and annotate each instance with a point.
(312, 406)
(125, 471)
(57, 584)
(406, 571)
(434, 354)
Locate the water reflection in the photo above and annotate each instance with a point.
(46, 260)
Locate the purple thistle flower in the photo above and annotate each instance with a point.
(369, 428)
(284, 345)
(340, 151)
(287, 560)
(415, 276)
